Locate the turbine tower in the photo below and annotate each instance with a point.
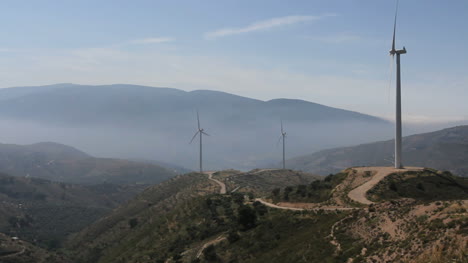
(393, 52)
(200, 132)
(283, 137)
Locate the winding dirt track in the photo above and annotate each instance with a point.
(221, 184)
(358, 194)
(276, 206)
(329, 208)
(212, 242)
(23, 249)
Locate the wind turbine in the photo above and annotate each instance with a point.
(283, 137)
(393, 52)
(200, 132)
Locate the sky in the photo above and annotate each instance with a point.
(330, 52)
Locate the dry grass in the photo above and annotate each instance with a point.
(455, 252)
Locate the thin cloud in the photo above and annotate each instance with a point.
(263, 25)
(337, 38)
(152, 40)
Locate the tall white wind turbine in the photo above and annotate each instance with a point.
(283, 138)
(200, 132)
(394, 52)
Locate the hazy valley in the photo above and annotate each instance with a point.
(137, 122)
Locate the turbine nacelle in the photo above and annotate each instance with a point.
(401, 51)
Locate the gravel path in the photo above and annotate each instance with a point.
(221, 184)
(329, 208)
(358, 194)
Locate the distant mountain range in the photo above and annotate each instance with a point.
(63, 163)
(139, 122)
(444, 150)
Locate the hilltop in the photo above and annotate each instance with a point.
(139, 122)
(58, 162)
(444, 150)
(267, 218)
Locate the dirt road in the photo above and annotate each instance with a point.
(221, 184)
(265, 170)
(358, 194)
(23, 249)
(212, 242)
(328, 208)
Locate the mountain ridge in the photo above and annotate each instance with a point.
(444, 150)
(126, 117)
(58, 162)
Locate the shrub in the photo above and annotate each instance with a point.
(233, 236)
(133, 222)
(247, 217)
(210, 254)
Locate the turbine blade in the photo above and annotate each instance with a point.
(390, 77)
(394, 26)
(198, 120)
(279, 140)
(193, 138)
(281, 126)
(205, 133)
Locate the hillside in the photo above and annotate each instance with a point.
(45, 213)
(20, 251)
(262, 181)
(443, 150)
(138, 122)
(62, 163)
(138, 221)
(186, 220)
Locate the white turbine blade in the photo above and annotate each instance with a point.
(198, 120)
(281, 126)
(205, 133)
(193, 138)
(394, 27)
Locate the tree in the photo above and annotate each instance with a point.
(301, 190)
(210, 253)
(238, 198)
(247, 217)
(287, 190)
(133, 222)
(233, 236)
(260, 208)
(276, 192)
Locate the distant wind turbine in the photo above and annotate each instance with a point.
(200, 132)
(393, 52)
(283, 138)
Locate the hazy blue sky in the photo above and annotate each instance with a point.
(330, 52)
